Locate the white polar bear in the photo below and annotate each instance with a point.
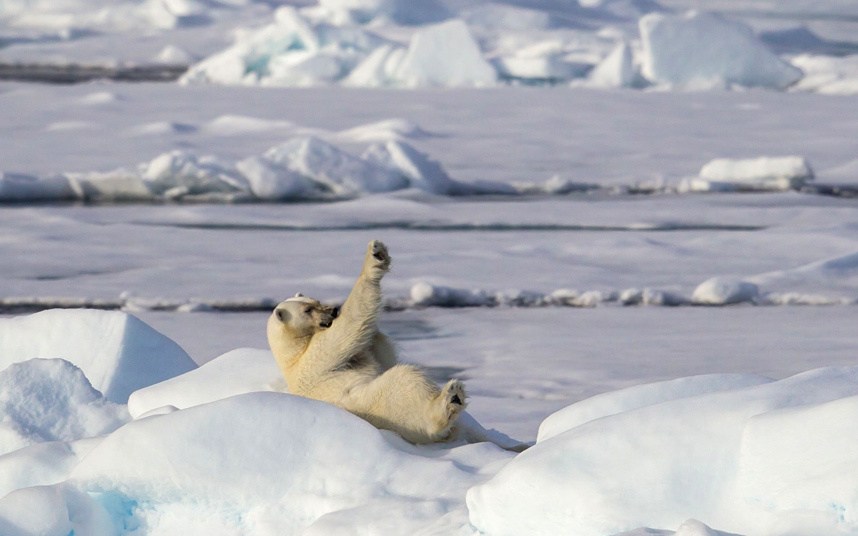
(343, 359)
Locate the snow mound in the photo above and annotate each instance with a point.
(795, 283)
(751, 458)
(701, 50)
(236, 372)
(180, 173)
(751, 174)
(421, 172)
(387, 130)
(641, 396)
(725, 291)
(283, 462)
(333, 169)
(116, 351)
(51, 400)
(427, 295)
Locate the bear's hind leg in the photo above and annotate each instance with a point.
(404, 400)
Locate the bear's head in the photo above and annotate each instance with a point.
(301, 316)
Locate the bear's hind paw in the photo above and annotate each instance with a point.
(454, 397)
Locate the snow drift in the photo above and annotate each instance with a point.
(116, 351)
(749, 456)
(222, 449)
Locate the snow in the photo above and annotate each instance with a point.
(724, 291)
(706, 451)
(51, 400)
(126, 356)
(720, 450)
(763, 173)
(655, 284)
(236, 372)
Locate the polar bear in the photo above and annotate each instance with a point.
(340, 357)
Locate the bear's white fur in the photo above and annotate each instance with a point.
(343, 359)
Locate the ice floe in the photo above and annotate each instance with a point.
(751, 175)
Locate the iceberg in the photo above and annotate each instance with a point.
(700, 50)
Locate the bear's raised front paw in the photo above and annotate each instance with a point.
(377, 256)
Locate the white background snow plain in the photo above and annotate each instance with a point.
(641, 280)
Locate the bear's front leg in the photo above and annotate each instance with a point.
(355, 328)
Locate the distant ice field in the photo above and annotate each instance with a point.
(501, 134)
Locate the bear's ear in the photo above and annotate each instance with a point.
(282, 315)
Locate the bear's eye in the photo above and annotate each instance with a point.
(308, 310)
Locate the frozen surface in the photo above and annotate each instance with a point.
(634, 274)
(790, 248)
(109, 140)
